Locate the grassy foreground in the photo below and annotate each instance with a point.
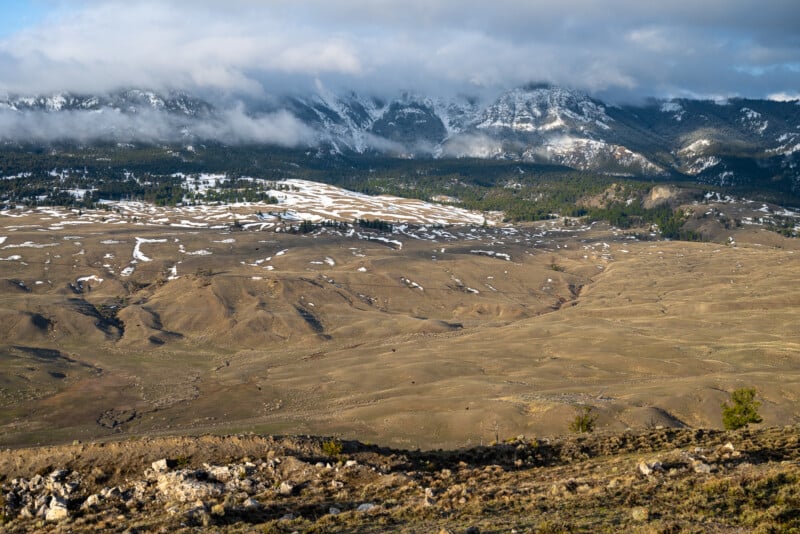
(662, 480)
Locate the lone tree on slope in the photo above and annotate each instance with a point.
(742, 411)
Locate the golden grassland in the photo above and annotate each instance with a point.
(432, 344)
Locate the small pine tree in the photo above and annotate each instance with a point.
(742, 411)
(584, 420)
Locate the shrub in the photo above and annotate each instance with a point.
(332, 448)
(742, 411)
(584, 420)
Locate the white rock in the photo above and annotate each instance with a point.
(91, 501)
(366, 507)
(36, 482)
(700, 467)
(334, 511)
(644, 469)
(57, 510)
(252, 504)
(183, 486)
(160, 466)
(285, 489)
(58, 475)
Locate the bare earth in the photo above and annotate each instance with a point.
(169, 322)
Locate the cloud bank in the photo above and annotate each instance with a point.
(622, 49)
(231, 126)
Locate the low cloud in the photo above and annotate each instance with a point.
(472, 146)
(232, 126)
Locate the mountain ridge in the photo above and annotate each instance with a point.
(711, 142)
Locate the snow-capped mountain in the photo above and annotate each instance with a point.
(130, 101)
(542, 109)
(715, 142)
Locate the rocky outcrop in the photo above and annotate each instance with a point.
(528, 484)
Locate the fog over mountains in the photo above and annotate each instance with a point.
(705, 140)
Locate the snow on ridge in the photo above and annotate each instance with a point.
(695, 148)
(297, 201)
(752, 120)
(703, 163)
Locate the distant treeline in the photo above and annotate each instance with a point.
(523, 191)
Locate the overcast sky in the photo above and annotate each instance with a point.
(623, 49)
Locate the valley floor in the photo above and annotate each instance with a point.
(430, 336)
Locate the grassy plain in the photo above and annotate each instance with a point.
(428, 338)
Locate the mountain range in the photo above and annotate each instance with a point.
(716, 142)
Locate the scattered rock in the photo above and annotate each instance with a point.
(187, 486)
(251, 504)
(57, 509)
(648, 468)
(246, 493)
(59, 475)
(160, 466)
(91, 501)
(428, 500)
(285, 489)
(701, 467)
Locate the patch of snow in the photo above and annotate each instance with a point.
(89, 279)
(412, 285)
(137, 253)
(31, 244)
(492, 254)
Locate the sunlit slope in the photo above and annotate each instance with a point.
(432, 336)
